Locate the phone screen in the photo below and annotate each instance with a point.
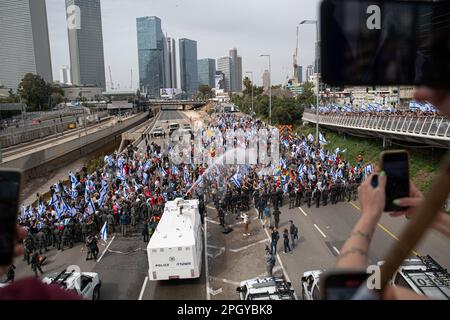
(9, 197)
(396, 167)
(387, 42)
(343, 286)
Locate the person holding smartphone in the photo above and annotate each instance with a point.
(354, 253)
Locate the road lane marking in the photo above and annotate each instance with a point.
(248, 246)
(106, 249)
(303, 211)
(385, 229)
(336, 249)
(318, 229)
(143, 288)
(212, 221)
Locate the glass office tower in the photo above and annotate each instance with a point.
(188, 67)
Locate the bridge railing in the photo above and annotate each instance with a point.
(429, 126)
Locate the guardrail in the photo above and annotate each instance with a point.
(429, 127)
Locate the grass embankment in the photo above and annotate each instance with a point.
(423, 162)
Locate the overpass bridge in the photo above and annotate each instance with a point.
(193, 104)
(428, 130)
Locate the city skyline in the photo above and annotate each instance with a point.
(221, 33)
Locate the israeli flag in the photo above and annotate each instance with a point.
(136, 186)
(52, 200)
(283, 163)
(73, 180)
(23, 211)
(236, 181)
(322, 155)
(311, 138)
(120, 176)
(163, 172)
(103, 193)
(109, 160)
(41, 209)
(175, 170)
(322, 139)
(145, 178)
(186, 176)
(104, 232)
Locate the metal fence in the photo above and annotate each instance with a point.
(425, 126)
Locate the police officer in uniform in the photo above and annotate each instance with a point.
(308, 196)
(317, 195)
(325, 195)
(291, 197)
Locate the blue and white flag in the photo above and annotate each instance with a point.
(283, 163)
(322, 139)
(103, 193)
(109, 160)
(145, 178)
(136, 185)
(73, 180)
(311, 138)
(104, 232)
(41, 208)
(175, 170)
(235, 180)
(163, 172)
(186, 176)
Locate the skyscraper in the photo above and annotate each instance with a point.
(207, 72)
(224, 66)
(309, 72)
(87, 62)
(188, 66)
(300, 74)
(150, 41)
(170, 63)
(235, 71)
(24, 41)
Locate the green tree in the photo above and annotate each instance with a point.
(35, 92)
(286, 111)
(248, 86)
(205, 91)
(307, 97)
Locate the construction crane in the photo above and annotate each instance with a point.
(111, 83)
(296, 67)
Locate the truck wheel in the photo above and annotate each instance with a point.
(96, 293)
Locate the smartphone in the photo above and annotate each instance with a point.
(341, 284)
(396, 166)
(10, 183)
(385, 42)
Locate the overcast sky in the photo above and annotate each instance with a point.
(254, 27)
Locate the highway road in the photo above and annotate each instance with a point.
(123, 266)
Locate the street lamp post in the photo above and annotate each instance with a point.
(251, 72)
(317, 74)
(270, 88)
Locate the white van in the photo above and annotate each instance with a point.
(175, 249)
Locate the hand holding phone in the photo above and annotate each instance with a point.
(396, 166)
(10, 182)
(341, 284)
